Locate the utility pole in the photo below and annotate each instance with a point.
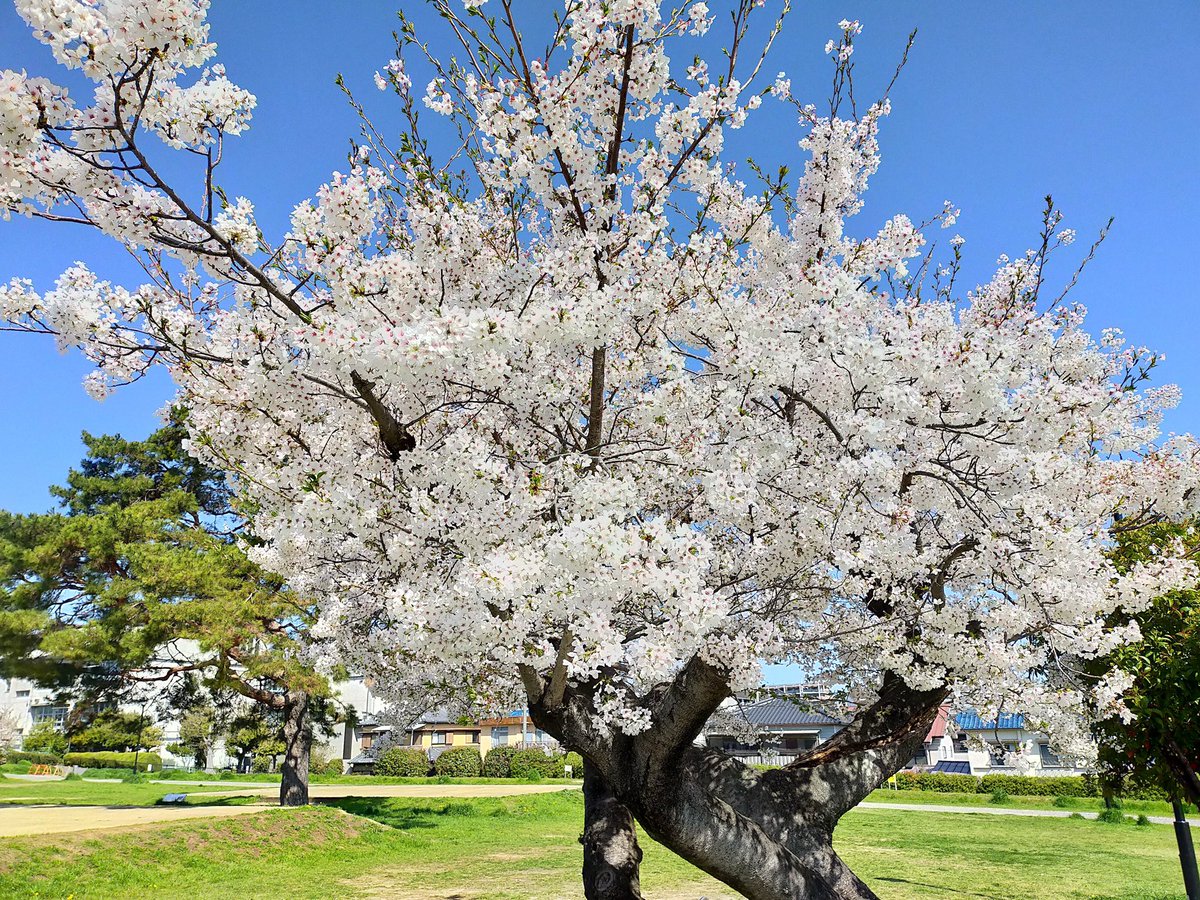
(142, 727)
(1187, 852)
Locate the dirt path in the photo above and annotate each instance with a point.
(19, 820)
(333, 791)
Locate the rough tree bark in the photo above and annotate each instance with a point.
(769, 835)
(297, 741)
(611, 855)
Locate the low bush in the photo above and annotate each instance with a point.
(575, 761)
(331, 767)
(498, 762)
(1062, 801)
(402, 762)
(108, 759)
(34, 757)
(941, 782)
(1112, 816)
(1142, 820)
(459, 762)
(999, 795)
(261, 765)
(525, 762)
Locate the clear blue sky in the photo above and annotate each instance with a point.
(1094, 101)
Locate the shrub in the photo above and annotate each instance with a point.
(940, 782)
(1064, 802)
(498, 762)
(459, 762)
(261, 765)
(525, 762)
(575, 761)
(109, 759)
(332, 767)
(1142, 820)
(1112, 816)
(34, 758)
(1076, 815)
(999, 795)
(1036, 785)
(107, 773)
(402, 762)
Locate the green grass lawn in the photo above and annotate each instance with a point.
(1069, 804)
(88, 793)
(526, 847)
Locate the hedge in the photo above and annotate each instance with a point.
(108, 759)
(37, 759)
(108, 773)
(498, 762)
(525, 763)
(575, 761)
(331, 767)
(402, 762)
(1021, 785)
(459, 762)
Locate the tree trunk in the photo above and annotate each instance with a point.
(297, 740)
(767, 834)
(611, 854)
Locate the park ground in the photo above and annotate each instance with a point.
(428, 847)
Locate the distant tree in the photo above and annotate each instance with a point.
(44, 737)
(114, 730)
(143, 576)
(1151, 732)
(199, 729)
(10, 727)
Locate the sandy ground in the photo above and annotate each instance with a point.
(20, 820)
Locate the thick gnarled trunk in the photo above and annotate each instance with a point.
(611, 855)
(769, 835)
(297, 741)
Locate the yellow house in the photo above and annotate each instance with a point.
(436, 732)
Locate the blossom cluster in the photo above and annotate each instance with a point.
(615, 410)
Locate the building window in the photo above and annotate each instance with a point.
(55, 714)
(472, 737)
(439, 737)
(22, 693)
(1048, 756)
(500, 734)
(367, 741)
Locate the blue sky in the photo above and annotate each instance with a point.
(1093, 101)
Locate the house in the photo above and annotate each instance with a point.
(774, 730)
(965, 743)
(438, 731)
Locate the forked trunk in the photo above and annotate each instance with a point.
(611, 855)
(297, 740)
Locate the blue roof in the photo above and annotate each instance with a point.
(970, 721)
(953, 766)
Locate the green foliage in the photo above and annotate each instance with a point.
(199, 729)
(1112, 816)
(999, 796)
(937, 781)
(145, 550)
(45, 738)
(1160, 746)
(459, 762)
(498, 762)
(1062, 801)
(110, 760)
(330, 767)
(402, 762)
(115, 730)
(535, 765)
(1142, 820)
(575, 761)
(35, 757)
(1039, 785)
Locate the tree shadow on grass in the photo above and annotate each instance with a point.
(938, 887)
(404, 816)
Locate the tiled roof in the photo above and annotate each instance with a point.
(970, 721)
(953, 766)
(780, 711)
(938, 728)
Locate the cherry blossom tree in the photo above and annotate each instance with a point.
(579, 411)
